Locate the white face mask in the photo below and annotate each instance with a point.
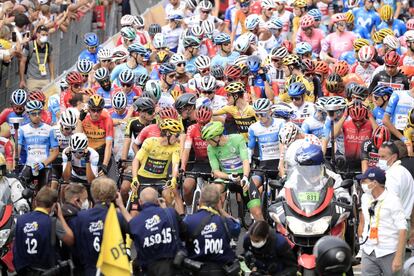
(43, 39)
(259, 244)
(85, 205)
(366, 190)
(382, 164)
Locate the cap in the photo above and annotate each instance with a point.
(373, 173)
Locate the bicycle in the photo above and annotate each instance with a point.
(200, 181)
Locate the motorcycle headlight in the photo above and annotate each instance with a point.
(300, 227)
(4, 235)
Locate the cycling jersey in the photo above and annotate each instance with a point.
(166, 100)
(407, 60)
(215, 104)
(367, 19)
(313, 126)
(139, 70)
(79, 165)
(172, 37)
(266, 138)
(229, 157)
(37, 142)
(339, 140)
(400, 103)
(85, 54)
(306, 110)
(133, 128)
(63, 142)
(243, 119)
(370, 153)
(365, 74)
(53, 107)
(218, 59)
(7, 114)
(155, 158)
(336, 44)
(6, 148)
(397, 82)
(131, 95)
(354, 136)
(152, 130)
(314, 40)
(119, 134)
(106, 95)
(361, 32)
(309, 96)
(378, 114)
(409, 133)
(193, 140)
(239, 22)
(271, 43)
(398, 27)
(286, 18)
(98, 132)
(277, 76)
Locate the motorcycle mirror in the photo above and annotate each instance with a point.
(27, 193)
(347, 183)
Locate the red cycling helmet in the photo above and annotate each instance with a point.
(358, 111)
(391, 58)
(74, 77)
(203, 114)
(338, 17)
(341, 68)
(37, 95)
(321, 67)
(288, 45)
(380, 135)
(309, 65)
(168, 112)
(232, 71)
(410, 24)
(307, 21)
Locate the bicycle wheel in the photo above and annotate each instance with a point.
(245, 216)
(196, 199)
(229, 205)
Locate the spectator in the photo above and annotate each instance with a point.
(7, 49)
(406, 161)
(21, 28)
(36, 68)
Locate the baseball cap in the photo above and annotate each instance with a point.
(373, 173)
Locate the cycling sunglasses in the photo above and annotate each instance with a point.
(95, 110)
(76, 86)
(18, 108)
(126, 84)
(79, 152)
(296, 98)
(261, 114)
(172, 76)
(69, 128)
(35, 113)
(105, 60)
(181, 64)
(204, 71)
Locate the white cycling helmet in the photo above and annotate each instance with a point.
(159, 41)
(138, 21)
(78, 141)
(205, 5)
(253, 39)
(335, 103)
(119, 100)
(104, 53)
(392, 42)
(126, 76)
(84, 66)
(268, 4)
(242, 43)
(366, 54)
(177, 58)
(127, 20)
(202, 62)
(288, 133)
(279, 52)
(252, 21)
(207, 84)
(208, 27)
(33, 105)
(18, 97)
(68, 118)
(409, 36)
(192, 4)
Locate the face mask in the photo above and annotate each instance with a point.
(43, 39)
(259, 244)
(382, 164)
(366, 190)
(85, 205)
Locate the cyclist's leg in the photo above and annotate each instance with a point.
(188, 188)
(125, 187)
(253, 202)
(56, 175)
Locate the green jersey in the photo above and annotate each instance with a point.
(229, 158)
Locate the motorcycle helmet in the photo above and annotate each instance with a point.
(309, 155)
(333, 256)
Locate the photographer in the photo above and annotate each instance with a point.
(267, 252)
(35, 237)
(210, 231)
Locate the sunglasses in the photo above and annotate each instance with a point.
(105, 60)
(97, 110)
(269, 9)
(276, 60)
(92, 48)
(68, 128)
(181, 64)
(171, 76)
(18, 108)
(169, 134)
(341, 23)
(364, 62)
(376, 97)
(35, 113)
(79, 152)
(244, 5)
(206, 70)
(76, 86)
(261, 114)
(206, 12)
(226, 44)
(307, 29)
(390, 66)
(126, 84)
(296, 98)
(151, 112)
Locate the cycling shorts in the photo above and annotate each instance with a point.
(158, 185)
(57, 172)
(200, 167)
(251, 199)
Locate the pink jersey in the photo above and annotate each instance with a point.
(314, 40)
(365, 74)
(336, 44)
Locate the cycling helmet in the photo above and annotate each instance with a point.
(309, 65)
(221, 38)
(235, 88)
(253, 39)
(139, 21)
(358, 111)
(175, 16)
(350, 18)
(348, 90)
(274, 24)
(409, 36)
(279, 52)
(242, 43)
(126, 76)
(307, 21)
(334, 83)
(168, 112)
(84, 66)
(262, 104)
(207, 84)
(78, 141)
(232, 71)
(167, 68)
(128, 33)
(18, 97)
(217, 71)
(292, 79)
(74, 77)
(320, 103)
(88, 91)
(137, 48)
(391, 42)
(154, 29)
(119, 100)
(333, 256)
(171, 125)
(380, 135)
(321, 67)
(359, 43)
(196, 31)
(338, 17)
(104, 53)
(154, 88)
(205, 5)
(267, 4)
(176, 90)
(316, 14)
(202, 62)
(360, 92)
(96, 101)
(386, 13)
(379, 36)
(241, 61)
(191, 41)
(159, 41)
(253, 62)
(208, 27)
(282, 110)
(127, 20)
(303, 48)
(410, 24)
(366, 54)
(101, 74)
(382, 90)
(335, 103)
(141, 79)
(391, 58)
(296, 89)
(162, 56)
(288, 45)
(288, 133)
(191, 4)
(300, 3)
(177, 58)
(91, 39)
(184, 100)
(309, 155)
(341, 68)
(63, 84)
(292, 60)
(37, 95)
(119, 55)
(252, 21)
(33, 105)
(411, 117)
(212, 130)
(68, 118)
(352, 3)
(203, 114)
(144, 104)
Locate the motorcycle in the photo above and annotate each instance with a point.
(7, 224)
(307, 211)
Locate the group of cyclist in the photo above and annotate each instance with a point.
(200, 94)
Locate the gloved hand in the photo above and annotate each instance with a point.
(83, 114)
(87, 156)
(40, 166)
(263, 76)
(135, 183)
(69, 155)
(104, 169)
(245, 184)
(172, 184)
(344, 200)
(234, 178)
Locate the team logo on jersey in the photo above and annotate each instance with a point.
(151, 222)
(209, 228)
(96, 226)
(31, 227)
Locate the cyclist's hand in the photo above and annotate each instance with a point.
(123, 164)
(172, 184)
(39, 166)
(104, 169)
(118, 200)
(87, 155)
(83, 114)
(68, 155)
(234, 178)
(245, 184)
(135, 184)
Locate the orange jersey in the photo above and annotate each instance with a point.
(98, 132)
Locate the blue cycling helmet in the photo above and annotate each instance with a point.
(282, 110)
(275, 23)
(296, 89)
(91, 39)
(303, 48)
(349, 57)
(253, 62)
(316, 14)
(221, 39)
(381, 90)
(167, 68)
(137, 48)
(309, 155)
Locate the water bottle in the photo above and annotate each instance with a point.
(35, 172)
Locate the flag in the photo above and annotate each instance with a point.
(113, 258)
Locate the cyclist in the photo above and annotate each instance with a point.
(207, 88)
(75, 82)
(366, 16)
(359, 30)
(239, 27)
(299, 10)
(228, 157)
(126, 80)
(275, 69)
(18, 100)
(389, 21)
(365, 66)
(370, 147)
(120, 116)
(408, 57)
(98, 127)
(179, 62)
(105, 87)
(335, 86)
(191, 49)
(285, 15)
(274, 26)
(185, 106)
(172, 31)
(409, 132)
(128, 36)
(381, 95)
(168, 77)
(315, 124)
(308, 33)
(301, 108)
(194, 142)
(105, 58)
(80, 162)
(91, 41)
(40, 145)
(84, 67)
(40, 96)
(225, 54)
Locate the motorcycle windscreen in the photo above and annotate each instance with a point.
(306, 183)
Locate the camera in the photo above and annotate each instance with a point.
(192, 265)
(232, 268)
(179, 258)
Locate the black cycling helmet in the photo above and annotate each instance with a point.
(217, 71)
(333, 256)
(144, 104)
(154, 29)
(184, 100)
(360, 92)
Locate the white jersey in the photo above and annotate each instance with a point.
(365, 74)
(285, 17)
(306, 110)
(172, 36)
(79, 165)
(217, 103)
(63, 140)
(166, 100)
(119, 136)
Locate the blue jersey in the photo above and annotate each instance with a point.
(361, 32)
(223, 61)
(85, 54)
(53, 106)
(398, 27)
(367, 19)
(117, 116)
(190, 66)
(378, 114)
(139, 70)
(313, 126)
(155, 74)
(106, 95)
(400, 103)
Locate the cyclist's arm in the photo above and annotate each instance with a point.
(3, 115)
(125, 148)
(339, 124)
(387, 122)
(108, 142)
(397, 10)
(175, 162)
(90, 176)
(8, 154)
(234, 27)
(221, 111)
(186, 153)
(66, 166)
(269, 91)
(251, 143)
(215, 164)
(364, 155)
(244, 156)
(54, 148)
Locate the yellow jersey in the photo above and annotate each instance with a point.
(309, 96)
(243, 118)
(409, 133)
